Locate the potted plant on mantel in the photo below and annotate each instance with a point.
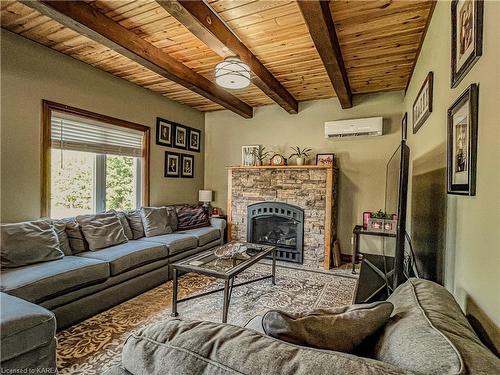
(300, 154)
(261, 155)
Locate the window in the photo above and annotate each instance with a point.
(92, 163)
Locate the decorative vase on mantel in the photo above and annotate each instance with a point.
(301, 161)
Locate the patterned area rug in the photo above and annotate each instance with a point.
(95, 344)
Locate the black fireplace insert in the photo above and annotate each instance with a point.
(278, 224)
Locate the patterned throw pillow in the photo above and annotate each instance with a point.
(342, 329)
(191, 217)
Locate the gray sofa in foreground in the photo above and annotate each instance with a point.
(426, 334)
(36, 299)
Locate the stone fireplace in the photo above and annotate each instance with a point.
(278, 224)
(257, 196)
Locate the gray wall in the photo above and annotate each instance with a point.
(30, 73)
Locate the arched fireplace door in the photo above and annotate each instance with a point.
(278, 224)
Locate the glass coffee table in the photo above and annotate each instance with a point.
(224, 262)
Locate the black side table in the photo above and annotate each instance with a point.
(358, 231)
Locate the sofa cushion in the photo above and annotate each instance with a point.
(24, 326)
(175, 242)
(191, 217)
(42, 281)
(125, 224)
(429, 334)
(194, 347)
(127, 256)
(75, 236)
(135, 221)
(28, 242)
(204, 235)
(102, 230)
(158, 221)
(60, 228)
(342, 329)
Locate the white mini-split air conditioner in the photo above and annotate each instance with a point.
(371, 126)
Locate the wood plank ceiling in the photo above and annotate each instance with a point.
(379, 41)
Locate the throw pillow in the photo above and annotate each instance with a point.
(342, 329)
(75, 236)
(135, 221)
(28, 243)
(158, 221)
(191, 217)
(102, 230)
(123, 220)
(60, 228)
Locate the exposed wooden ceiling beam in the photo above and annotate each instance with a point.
(322, 29)
(90, 22)
(205, 24)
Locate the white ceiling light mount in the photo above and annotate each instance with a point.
(232, 73)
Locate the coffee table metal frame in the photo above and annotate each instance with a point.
(227, 276)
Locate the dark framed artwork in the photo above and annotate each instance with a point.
(194, 140)
(325, 159)
(180, 136)
(404, 127)
(466, 37)
(187, 166)
(462, 143)
(422, 107)
(172, 164)
(164, 132)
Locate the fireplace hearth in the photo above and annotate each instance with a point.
(278, 224)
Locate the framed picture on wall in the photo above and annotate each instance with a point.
(422, 107)
(325, 159)
(172, 164)
(181, 137)
(466, 37)
(187, 166)
(249, 155)
(404, 127)
(462, 143)
(164, 131)
(194, 140)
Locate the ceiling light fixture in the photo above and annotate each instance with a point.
(232, 73)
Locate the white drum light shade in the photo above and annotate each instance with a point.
(232, 73)
(205, 196)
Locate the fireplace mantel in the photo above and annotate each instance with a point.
(310, 187)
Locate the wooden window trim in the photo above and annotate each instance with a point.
(47, 108)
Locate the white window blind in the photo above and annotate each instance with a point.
(77, 134)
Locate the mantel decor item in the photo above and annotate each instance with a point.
(422, 107)
(262, 155)
(466, 37)
(300, 154)
(248, 155)
(232, 73)
(381, 222)
(462, 143)
(325, 159)
(172, 164)
(278, 160)
(164, 131)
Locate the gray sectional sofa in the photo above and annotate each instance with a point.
(427, 334)
(81, 284)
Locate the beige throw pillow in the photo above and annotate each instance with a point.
(341, 329)
(102, 230)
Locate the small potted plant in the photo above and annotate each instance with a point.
(261, 155)
(382, 222)
(300, 154)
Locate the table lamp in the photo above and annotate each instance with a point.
(205, 196)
